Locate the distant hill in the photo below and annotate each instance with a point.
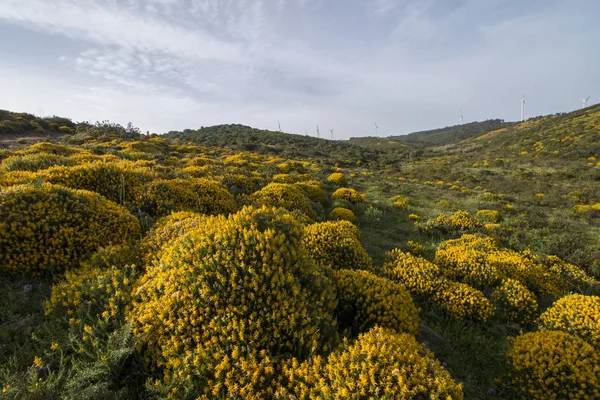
(286, 144)
(452, 134)
(13, 124)
(566, 135)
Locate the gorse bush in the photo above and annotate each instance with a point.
(464, 302)
(400, 201)
(366, 300)
(336, 245)
(161, 197)
(121, 181)
(492, 216)
(287, 196)
(460, 221)
(425, 279)
(93, 296)
(48, 229)
(517, 302)
(379, 365)
(166, 231)
(230, 298)
(314, 191)
(33, 162)
(342, 214)
(553, 365)
(338, 178)
(350, 195)
(576, 314)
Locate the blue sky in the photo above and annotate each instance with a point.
(409, 65)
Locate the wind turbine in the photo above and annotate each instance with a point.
(376, 128)
(461, 116)
(331, 130)
(279, 123)
(586, 100)
(523, 109)
(318, 133)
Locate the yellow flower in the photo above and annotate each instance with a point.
(38, 362)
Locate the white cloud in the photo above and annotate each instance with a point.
(167, 64)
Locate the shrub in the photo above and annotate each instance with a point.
(336, 245)
(166, 231)
(492, 216)
(121, 182)
(459, 221)
(314, 191)
(338, 178)
(366, 300)
(50, 228)
(33, 162)
(553, 365)
(239, 185)
(571, 276)
(516, 301)
(576, 314)
(283, 178)
(287, 196)
(342, 214)
(350, 195)
(464, 302)
(400, 202)
(91, 295)
(415, 247)
(379, 365)
(230, 300)
(200, 195)
(425, 279)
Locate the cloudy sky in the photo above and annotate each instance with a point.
(344, 64)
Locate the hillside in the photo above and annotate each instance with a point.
(452, 134)
(13, 125)
(230, 262)
(288, 145)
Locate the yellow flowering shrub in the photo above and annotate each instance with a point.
(284, 195)
(479, 262)
(33, 162)
(414, 217)
(121, 182)
(420, 276)
(51, 148)
(350, 195)
(572, 277)
(415, 247)
(338, 178)
(239, 185)
(459, 221)
(229, 300)
(17, 178)
(465, 260)
(314, 190)
(282, 178)
(335, 244)
(162, 196)
(425, 279)
(492, 216)
(380, 364)
(48, 229)
(92, 295)
(342, 214)
(576, 314)
(464, 302)
(517, 302)
(552, 365)
(366, 300)
(166, 231)
(400, 201)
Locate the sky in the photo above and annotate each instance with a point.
(407, 65)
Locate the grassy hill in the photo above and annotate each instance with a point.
(452, 134)
(14, 125)
(126, 259)
(288, 145)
